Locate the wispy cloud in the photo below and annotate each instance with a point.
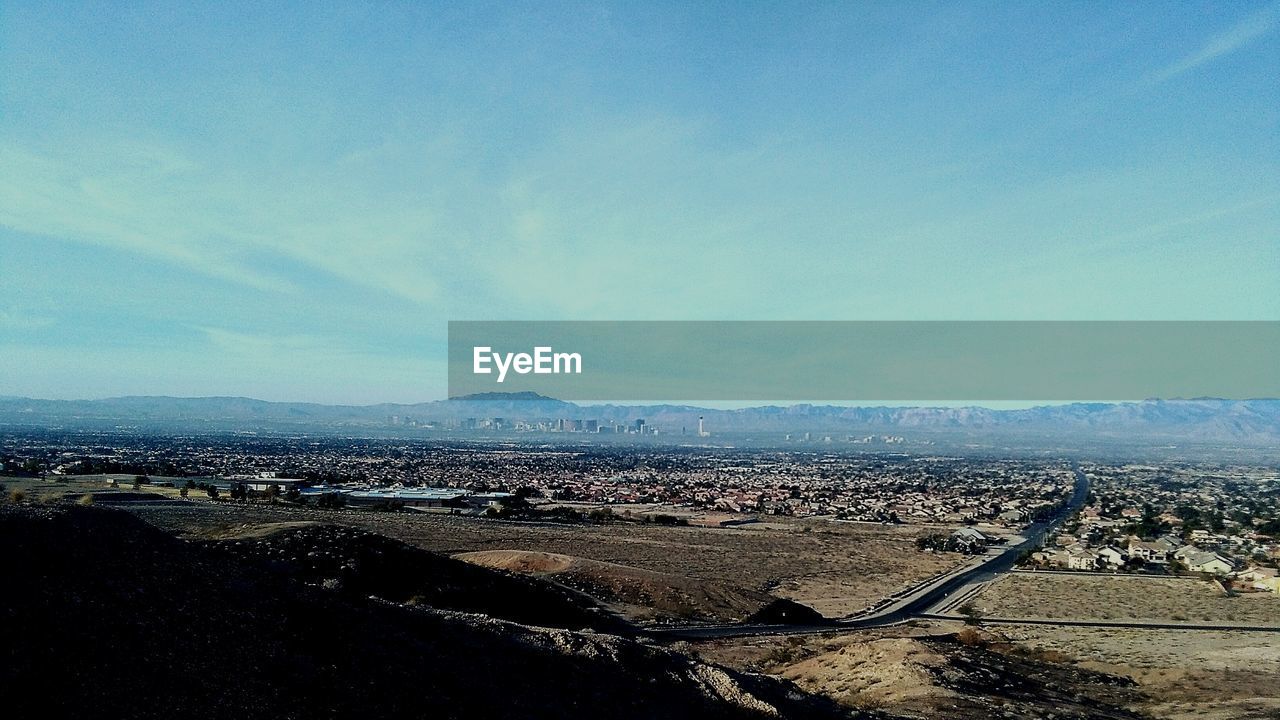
(129, 205)
(255, 345)
(156, 202)
(1224, 43)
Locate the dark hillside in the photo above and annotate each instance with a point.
(361, 564)
(104, 616)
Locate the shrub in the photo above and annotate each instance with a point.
(85, 499)
(971, 614)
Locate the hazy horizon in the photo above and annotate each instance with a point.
(709, 405)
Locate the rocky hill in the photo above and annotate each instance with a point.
(646, 595)
(104, 616)
(360, 564)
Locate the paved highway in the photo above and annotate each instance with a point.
(924, 599)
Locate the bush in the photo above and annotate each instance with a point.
(971, 614)
(661, 519)
(86, 500)
(17, 496)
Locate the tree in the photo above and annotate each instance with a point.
(212, 491)
(1270, 527)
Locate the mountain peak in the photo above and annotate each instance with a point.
(526, 396)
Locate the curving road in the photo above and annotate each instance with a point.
(924, 599)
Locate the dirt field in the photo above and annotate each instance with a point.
(1185, 673)
(834, 568)
(641, 595)
(1120, 597)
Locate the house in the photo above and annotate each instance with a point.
(1202, 561)
(969, 539)
(1148, 551)
(1168, 543)
(1080, 558)
(1010, 517)
(1112, 557)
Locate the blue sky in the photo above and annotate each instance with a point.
(290, 202)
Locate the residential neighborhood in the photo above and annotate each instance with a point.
(1219, 523)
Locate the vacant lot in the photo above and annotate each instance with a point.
(1121, 597)
(835, 568)
(642, 595)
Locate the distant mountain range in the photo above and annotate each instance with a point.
(1199, 419)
